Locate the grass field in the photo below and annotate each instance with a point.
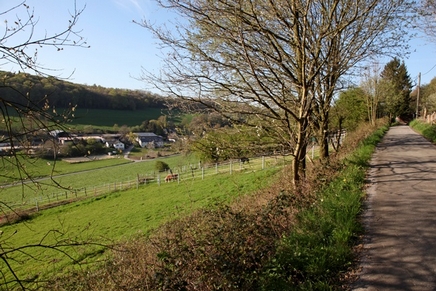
(103, 176)
(320, 247)
(38, 167)
(90, 174)
(117, 216)
(105, 117)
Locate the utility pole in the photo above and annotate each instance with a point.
(417, 95)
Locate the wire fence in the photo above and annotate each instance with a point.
(176, 175)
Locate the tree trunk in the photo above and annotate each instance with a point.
(324, 137)
(299, 161)
(324, 146)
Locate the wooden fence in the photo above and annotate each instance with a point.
(187, 172)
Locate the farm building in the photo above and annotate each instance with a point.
(149, 140)
(115, 144)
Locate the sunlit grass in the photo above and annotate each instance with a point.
(426, 129)
(120, 216)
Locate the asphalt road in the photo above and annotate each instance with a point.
(400, 244)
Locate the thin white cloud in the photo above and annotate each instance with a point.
(133, 5)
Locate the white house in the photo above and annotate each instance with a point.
(115, 144)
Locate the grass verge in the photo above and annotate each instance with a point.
(319, 250)
(425, 129)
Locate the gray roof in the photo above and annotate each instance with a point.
(146, 134)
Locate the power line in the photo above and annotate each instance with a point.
(429, 70)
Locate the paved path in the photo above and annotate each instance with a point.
(400, 246)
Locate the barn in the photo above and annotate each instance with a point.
(149, 140)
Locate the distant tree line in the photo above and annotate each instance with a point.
(62, 94)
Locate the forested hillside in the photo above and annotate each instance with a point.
(59, 93)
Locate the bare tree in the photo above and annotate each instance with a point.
(349, 34)
(370, 84)
(425, 21)
(24, 115)
(20, 42)
(266, 63)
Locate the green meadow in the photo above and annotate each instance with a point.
(103, 176)
(116, 217)
(107, 118)
(39, 167)
(75, 176)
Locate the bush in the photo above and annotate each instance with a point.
(161, 166)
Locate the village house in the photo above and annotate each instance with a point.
(149, 140)
(114, 143)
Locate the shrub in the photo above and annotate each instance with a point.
(161, 166)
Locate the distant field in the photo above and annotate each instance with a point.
(103, 117)
(102, 180)
(107, 118)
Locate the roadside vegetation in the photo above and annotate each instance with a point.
(428, 130)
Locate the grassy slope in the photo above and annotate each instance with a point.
(427, 130)
(123, 214)
(101, 174)
(327, 230)
(265, 249)
(107, 118)
(38, 167)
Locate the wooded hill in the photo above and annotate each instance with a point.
(64, 94)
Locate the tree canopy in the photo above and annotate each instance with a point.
(396, 88)
(41, 90)
(274, 64)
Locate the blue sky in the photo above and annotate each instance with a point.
(119, 48)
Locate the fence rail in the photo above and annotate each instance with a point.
(183, 173)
